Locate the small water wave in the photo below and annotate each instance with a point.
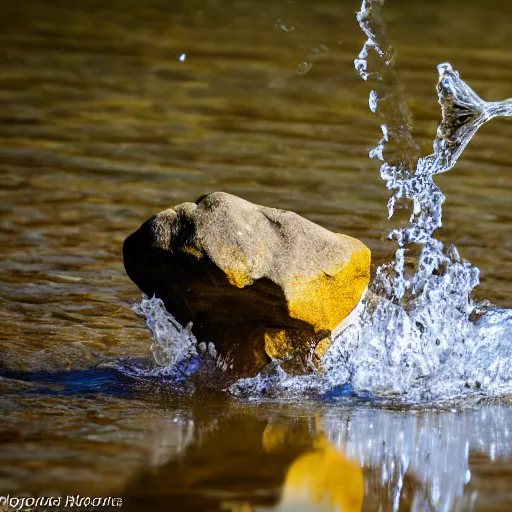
(94, 381)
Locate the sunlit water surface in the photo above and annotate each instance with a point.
(112, 111)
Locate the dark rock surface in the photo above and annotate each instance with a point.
(257, 282)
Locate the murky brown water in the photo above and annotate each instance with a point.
(101, 126)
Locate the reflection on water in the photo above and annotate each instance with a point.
(432, 449)
(137, 439)
(338, 459)
(325, 479)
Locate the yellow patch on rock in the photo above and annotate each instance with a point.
(234, 264)
(193, 251)
(322, 347)
(278, 344)
(328, 299)
(238, 278)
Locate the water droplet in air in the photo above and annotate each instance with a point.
(304, 67)
(373, 101)
(183, 57)
(320, 49)
(281, 26)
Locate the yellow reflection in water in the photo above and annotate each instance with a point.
(321, 479)
(324, 478)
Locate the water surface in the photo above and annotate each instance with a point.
(102, 125)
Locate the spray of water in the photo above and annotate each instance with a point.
(175, 350)
(417, 335)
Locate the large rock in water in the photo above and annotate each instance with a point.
(258, 282)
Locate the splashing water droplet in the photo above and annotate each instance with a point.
(280, 25)
(373, 100)
(463, 112)
(304, 67)
(183, 57)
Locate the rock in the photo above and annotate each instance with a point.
(258, 282)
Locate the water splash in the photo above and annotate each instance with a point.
(175, 350)
(172, 343)
(463, 112)
(411, 178)
(419, 335)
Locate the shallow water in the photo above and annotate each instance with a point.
(102, 125)
(99, 433)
